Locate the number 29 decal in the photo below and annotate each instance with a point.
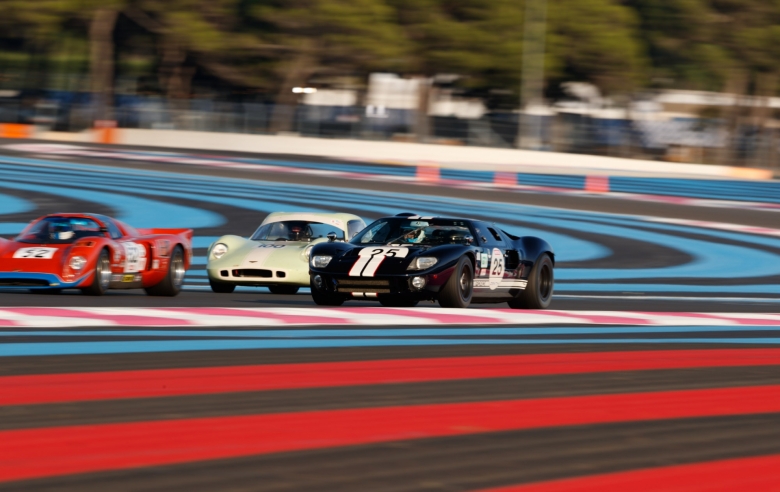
(369, 260)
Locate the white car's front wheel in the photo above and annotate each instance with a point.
(221, 287)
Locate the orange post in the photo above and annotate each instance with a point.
(106, 132)
(597, 184)
(428, 172)
(505, 180)
(14, 130)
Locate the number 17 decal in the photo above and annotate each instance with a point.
(369, 260)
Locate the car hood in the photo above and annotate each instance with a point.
(48, 257)
(265, 254)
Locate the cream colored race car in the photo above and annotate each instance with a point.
(277, 254)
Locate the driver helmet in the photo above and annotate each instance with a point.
(414, 236)
(61, 231)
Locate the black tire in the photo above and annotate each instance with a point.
(221, 287)
(321, 298)
(459, 289)
(283, 289)
(101, 276)
(171, 285)
(538, 292)
(397, 301)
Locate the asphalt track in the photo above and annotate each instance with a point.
(351, 405)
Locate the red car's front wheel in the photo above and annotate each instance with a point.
(101, 276)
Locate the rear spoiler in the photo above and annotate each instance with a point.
(185, 233)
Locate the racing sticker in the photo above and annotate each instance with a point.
(483, 260)
(35, 253)
(135, 257)
(369, 260)
(496, 269)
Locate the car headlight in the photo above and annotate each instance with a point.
(219, 250)
(422, 263)
(77, 263)
(307, 252)
(320, 261)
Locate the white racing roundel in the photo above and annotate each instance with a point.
(135, 257)
(369, 260)
(496, 269)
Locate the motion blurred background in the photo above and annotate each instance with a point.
(674, 80)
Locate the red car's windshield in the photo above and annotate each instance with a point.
(60, 230)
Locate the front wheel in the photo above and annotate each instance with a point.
(283, 289)
(325, 298)
(538, 292)
(221, 287)
(459, 289)
(101, 276)
(174, 279)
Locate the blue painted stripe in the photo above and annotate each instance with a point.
(86, 348)
(306, 333)
(741, 289)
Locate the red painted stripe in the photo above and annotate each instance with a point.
(760, 474)
(432, 315)
(120, 319)
(288, 319)
(50, 388)
(64, 450)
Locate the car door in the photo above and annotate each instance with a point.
(492, 262)
(133, 255)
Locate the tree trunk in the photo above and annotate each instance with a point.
(101, 54)
(286, 102)
(737, 86)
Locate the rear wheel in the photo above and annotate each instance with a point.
(397, 301)
(458, 290)
(221, 287)
(101, 276)
(538, 292)
(283, 289)
(174, 279)
(325, 298)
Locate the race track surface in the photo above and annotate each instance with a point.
(657, 364)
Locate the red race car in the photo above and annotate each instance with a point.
(95, 253)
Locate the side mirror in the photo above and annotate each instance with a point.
(468, 239)
(331, 237)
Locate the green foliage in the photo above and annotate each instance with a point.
(620, 45)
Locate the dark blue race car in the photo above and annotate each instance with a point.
(405, 259)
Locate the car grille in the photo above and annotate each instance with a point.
(24, 282)
(363, 285)
(248, 272)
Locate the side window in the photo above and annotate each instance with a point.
(353, 227)
(488, 236)
(113, 230)
(495, 235)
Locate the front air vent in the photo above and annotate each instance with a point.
(249, 272)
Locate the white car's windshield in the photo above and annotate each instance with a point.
(295, 230)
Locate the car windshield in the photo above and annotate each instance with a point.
(432, 232)
(295, 230)
(60, 230)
